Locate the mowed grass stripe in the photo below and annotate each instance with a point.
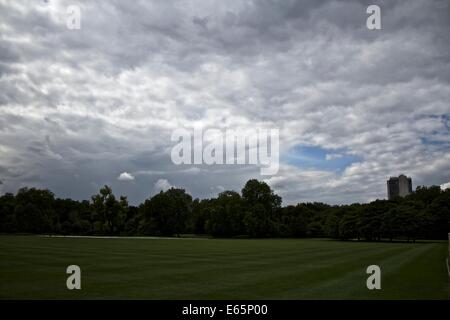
(297, 280)
(34, 267)
(216, 274)
(111, 275)
(419, 274)
(346, 280)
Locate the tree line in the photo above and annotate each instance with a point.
(255, 212)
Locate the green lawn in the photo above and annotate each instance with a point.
(34, 267)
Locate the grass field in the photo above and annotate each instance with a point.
(33, 267)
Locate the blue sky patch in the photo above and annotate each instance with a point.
(316, 157)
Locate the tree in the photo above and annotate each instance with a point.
(225, 218)
(108, 213)
(166, 213)
(262, 208)
(257, 213)
(425, 194)
(349, 223)
(7, 207)
(133, 217)
(332, 222)
(294, 221)
(34, 210)
(437, 214)
(258, 192)
(370, 219)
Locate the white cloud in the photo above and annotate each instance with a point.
(445, 186)
(125, 176)
(162, 185)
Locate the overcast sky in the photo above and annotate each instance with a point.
(84, 108)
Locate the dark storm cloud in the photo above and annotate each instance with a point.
(78, 108)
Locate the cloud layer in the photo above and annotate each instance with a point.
(80, 108)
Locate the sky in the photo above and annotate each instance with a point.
(81, 108)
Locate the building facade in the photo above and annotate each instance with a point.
(399, 186)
